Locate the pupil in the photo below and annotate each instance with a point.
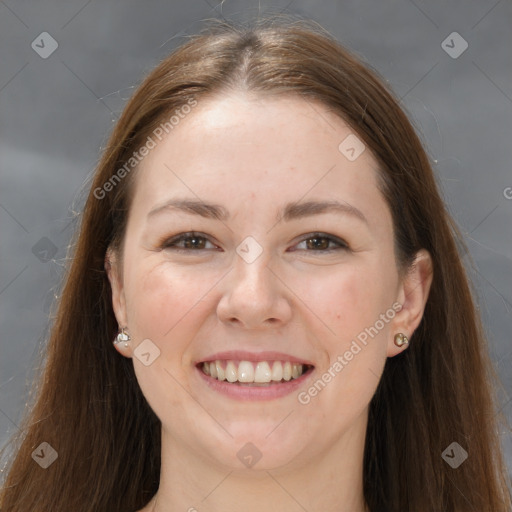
(193, 242)
(318, 243)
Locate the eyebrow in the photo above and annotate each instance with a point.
(291, 211)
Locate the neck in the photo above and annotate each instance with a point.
(333, 481)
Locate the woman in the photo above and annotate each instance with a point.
(293, 328)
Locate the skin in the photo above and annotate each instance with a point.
(253, 155)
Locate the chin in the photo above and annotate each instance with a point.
(256, 450)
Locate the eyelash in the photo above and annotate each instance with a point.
(169, 243)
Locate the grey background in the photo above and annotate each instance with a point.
(56, 113)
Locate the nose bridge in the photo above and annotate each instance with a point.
(250, 264)
(252, 276)
(252, 295)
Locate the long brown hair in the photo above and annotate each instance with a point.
(88, 404)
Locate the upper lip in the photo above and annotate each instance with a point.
(243, 355)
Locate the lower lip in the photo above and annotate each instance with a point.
(247, 393)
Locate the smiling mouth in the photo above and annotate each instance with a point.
(254, 373)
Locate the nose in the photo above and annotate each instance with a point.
(254, 296)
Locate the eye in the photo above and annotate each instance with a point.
(191, 241)
(314, 242)
(321, 242)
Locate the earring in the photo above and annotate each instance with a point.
(401, 340)
(122, 337)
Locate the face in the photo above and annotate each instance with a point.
(253, 240)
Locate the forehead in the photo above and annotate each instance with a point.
(240, 147)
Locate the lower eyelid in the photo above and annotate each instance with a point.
(331, 249)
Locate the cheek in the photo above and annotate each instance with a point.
(158, 299)
(164, 305)
(163, 300)
(347, 300)
(349, 303)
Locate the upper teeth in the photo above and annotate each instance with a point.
(247, 371)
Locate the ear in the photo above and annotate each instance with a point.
(118, 297)
(412, 295)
